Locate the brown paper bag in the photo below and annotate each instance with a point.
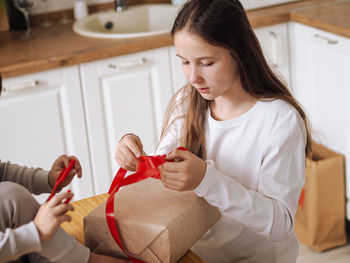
(156, 224)
(320, 218)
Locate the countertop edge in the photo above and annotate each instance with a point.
(320, 24)
(85, 56)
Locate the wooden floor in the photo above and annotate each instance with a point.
(335, 255)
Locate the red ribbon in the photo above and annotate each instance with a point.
(61, 178)
(302, 199)
(146, 167)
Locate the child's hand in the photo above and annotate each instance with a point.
(185, 173)
(128, 150)
(52, 214)
(60, 163)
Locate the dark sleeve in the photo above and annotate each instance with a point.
(34, 179)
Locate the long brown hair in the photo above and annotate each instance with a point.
(224, 23)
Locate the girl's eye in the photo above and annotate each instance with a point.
(207, 64)
(185, 62)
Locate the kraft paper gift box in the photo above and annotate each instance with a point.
(320, 219)
(155, 224)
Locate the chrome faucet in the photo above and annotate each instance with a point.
(119, 5)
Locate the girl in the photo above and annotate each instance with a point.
(247, 137)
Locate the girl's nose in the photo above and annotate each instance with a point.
(194, 75)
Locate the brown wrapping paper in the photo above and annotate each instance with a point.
(155, 224)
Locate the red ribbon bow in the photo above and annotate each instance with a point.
(146, 167)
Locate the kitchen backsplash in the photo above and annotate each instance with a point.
(45, 6)
(253, 4)
(64, 8)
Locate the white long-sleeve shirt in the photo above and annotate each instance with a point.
(255, 172)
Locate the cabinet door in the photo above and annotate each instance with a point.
(274, 41)
(41, 118)
(321, 67)
(178, 77)
(124, 94)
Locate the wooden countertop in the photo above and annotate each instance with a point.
(333, 17)
(59, 46)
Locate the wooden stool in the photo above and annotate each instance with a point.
(84, 206)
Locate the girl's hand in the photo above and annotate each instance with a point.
(185, 173)
(52, 214)
(128, 150)
(60, 163)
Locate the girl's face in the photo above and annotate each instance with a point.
(210, 69)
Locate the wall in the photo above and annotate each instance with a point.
(45, 6)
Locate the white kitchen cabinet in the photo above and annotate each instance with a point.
(41, 118)
(321, 82)
(124, 94)
(274, 41)
(178, 77)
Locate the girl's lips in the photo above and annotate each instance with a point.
(203, 90)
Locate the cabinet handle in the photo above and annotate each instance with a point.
(128, 64)
(274, 48)
(22, 86)
(329, 41)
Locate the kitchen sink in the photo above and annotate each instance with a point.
(135, 21)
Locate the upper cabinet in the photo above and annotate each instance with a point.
(41, 118)
(321, 82)
(274, 41)
(124, 94)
